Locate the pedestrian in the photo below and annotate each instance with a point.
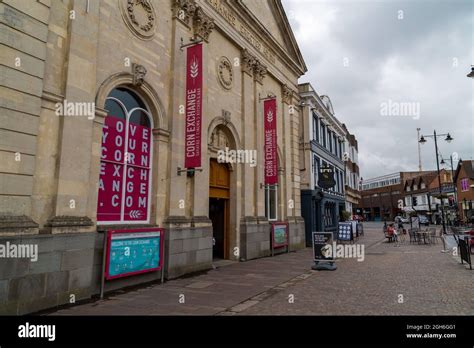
(393, 231)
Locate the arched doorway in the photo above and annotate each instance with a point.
(219, 204)
(224, 190)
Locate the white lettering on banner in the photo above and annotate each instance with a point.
(133, 129)
(116, 186)
(102, 168)
(104, 136)
(141, 202)
(129, 201)
(117, 168)
(144, 161)
(142, 188)
(118, 141)
(143, 175)
(132, 144)
(101, 184)
(130, 172)
(145, 133)
(145, 147)
(104, 155)
(119, 127)
(114, 200)
(118, 155)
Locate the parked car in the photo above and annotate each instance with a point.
(424, 220)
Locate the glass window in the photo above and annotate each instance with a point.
(330, 140)
(464, 184)
(125, 165)
(316, 127)
(271, 202)
(316, 168)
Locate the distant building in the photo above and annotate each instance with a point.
(322, 146)
(464, 179)
(404, 193)
(421, 194)
(351, 160)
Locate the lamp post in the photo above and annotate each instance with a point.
(471, 74)
(452, 178)
(448, 139)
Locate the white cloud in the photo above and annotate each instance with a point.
(409, 60)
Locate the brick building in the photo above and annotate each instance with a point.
(464, 179)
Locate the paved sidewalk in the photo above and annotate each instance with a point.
(429, 281)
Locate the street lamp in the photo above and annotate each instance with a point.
(448, 139)
(443, 162)
(471, 74)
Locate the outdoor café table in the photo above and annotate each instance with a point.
(424, 234)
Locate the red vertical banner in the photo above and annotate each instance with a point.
(124, 182)
(192, 145)
(270, 138)
(112, 164)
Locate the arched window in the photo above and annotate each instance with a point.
(125, 164)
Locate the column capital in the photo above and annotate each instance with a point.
(203, 24)
(287, 94)
(184, 10)
(248, 62)
(259, 72)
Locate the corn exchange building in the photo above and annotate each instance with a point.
(127, 114)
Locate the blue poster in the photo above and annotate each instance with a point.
(133, 253)
(344, 231)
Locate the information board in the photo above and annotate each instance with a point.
(322, 246)
(131, 252)
(344, 231)
(280, 234)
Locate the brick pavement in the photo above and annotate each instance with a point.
(431, 283)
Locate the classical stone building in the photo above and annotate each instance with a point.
(78, 73)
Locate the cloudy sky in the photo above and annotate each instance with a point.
(372, 56)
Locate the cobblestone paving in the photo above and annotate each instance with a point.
(430, 282)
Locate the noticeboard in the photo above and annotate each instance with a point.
(131, 252)
(279, 234)
(322, 246)
(344, 231)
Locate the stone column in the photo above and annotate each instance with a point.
(251, 186)
(178, 201)
(203, 26)
(288, 109)
(76, 141)
(259, 72)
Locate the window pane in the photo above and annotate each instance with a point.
(140, 118)
(128, 98)
(114, 109)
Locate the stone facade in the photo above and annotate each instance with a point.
(56, 52)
